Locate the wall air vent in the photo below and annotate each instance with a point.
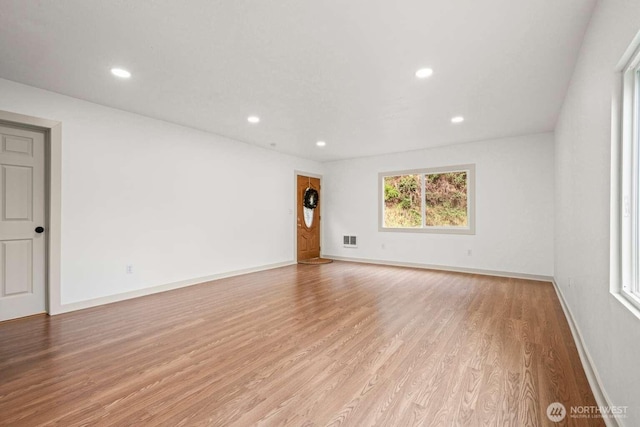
(350, 241)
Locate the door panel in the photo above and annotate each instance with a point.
(18, 144)
(18, 200)
(16, 266)
(22, 196)
(308, 237)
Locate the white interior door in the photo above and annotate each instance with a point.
(22, 215)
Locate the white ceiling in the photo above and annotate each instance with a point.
(333, 70)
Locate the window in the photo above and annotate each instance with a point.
(436, 200)
(629, 169)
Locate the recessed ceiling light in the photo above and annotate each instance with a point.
(423, 73)
(122, 73)
(457, 119)
(321, 143)
(253, 119)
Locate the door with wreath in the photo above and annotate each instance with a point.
(308, 222)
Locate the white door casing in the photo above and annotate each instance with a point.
(22, 210)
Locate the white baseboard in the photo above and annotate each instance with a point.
(587, 363)
(445, 268)
(65, 308)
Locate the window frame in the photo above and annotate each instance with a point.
(629, 191)
(470, 169)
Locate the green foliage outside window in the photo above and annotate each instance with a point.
(445, 200)
(402, 201)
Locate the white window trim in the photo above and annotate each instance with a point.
(471, 203)
(625, 175)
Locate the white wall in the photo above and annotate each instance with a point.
(583, 143)
(514, 208)
(174, 202)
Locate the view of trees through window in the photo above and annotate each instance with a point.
(445, 200)
(402, 200)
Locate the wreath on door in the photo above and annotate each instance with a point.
(310, 198)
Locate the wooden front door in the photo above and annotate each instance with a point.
(22, 237)
(309, 228)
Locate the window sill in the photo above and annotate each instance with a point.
(624, 300)
(433, 230)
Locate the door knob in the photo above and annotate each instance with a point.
(39, 230)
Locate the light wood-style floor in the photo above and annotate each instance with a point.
(337, 344)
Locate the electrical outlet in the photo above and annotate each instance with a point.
(469, 253)
(129, 269)
(383, 246)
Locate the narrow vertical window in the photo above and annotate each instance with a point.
(629, 155)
